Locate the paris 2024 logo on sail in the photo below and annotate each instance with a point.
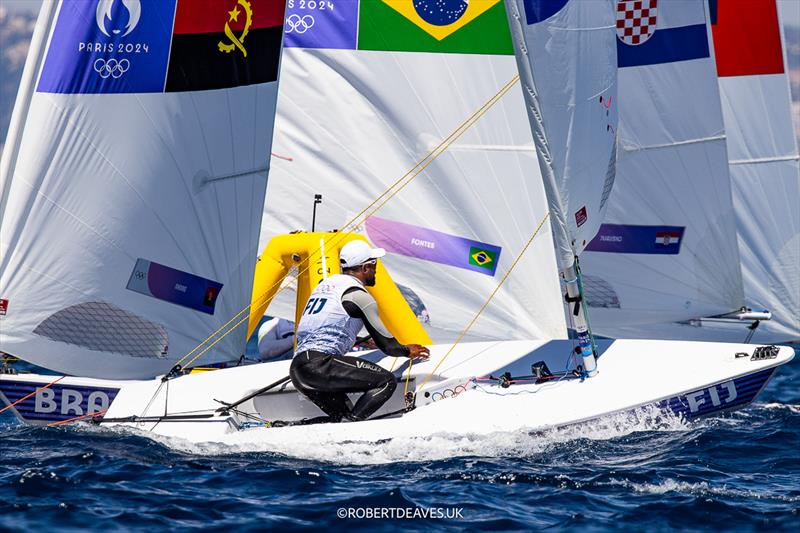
(111, 23)
(109, 46)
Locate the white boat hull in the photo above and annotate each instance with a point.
(687, 379)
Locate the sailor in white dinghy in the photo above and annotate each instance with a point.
(276, 339)
(336, 311)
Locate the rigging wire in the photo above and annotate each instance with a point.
(408, 376)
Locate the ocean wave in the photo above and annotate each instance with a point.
(521, 443)
(794, 409)
(700, 488)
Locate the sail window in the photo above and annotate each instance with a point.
(103, 327)
(599, 292)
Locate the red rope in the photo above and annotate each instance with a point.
(31, 394)
(76, 418)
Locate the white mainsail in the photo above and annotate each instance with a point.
(667, 250)
(133, 182)
(367, 90)
(567, 61)
(764, 166)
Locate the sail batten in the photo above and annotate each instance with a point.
(758, 160)
(630, 147)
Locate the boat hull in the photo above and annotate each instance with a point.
(43, 399)
(680, 379)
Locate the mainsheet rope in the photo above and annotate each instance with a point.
(355, 221)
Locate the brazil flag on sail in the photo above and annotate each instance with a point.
(445, 26)
(480, 257)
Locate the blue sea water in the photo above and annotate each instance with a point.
(738, 471)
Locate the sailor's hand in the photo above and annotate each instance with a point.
(418, 352)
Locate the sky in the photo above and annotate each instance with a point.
(790, 9)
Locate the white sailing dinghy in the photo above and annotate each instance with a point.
(667, 250)
(481, 387)
(687, 224)
(132, 189)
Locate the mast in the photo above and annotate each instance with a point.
(26, 88)
(566, 55)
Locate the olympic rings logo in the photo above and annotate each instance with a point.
(448, 393)
(111, 68)
(297, 24)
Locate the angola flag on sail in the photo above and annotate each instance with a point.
(446, 26)
(218, 44)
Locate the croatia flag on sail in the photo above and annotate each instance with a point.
(651, 32)
(667, 238)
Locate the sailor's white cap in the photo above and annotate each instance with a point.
(358, 252)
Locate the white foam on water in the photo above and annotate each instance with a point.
(795, 409)
(701, 488)
(520, 443)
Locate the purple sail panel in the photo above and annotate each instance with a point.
(629, 239)
(435, 246)
(174, 286)
(321, 24)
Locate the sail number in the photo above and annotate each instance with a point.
(317, 5)
(71, 402)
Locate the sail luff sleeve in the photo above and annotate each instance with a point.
(566, 55)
